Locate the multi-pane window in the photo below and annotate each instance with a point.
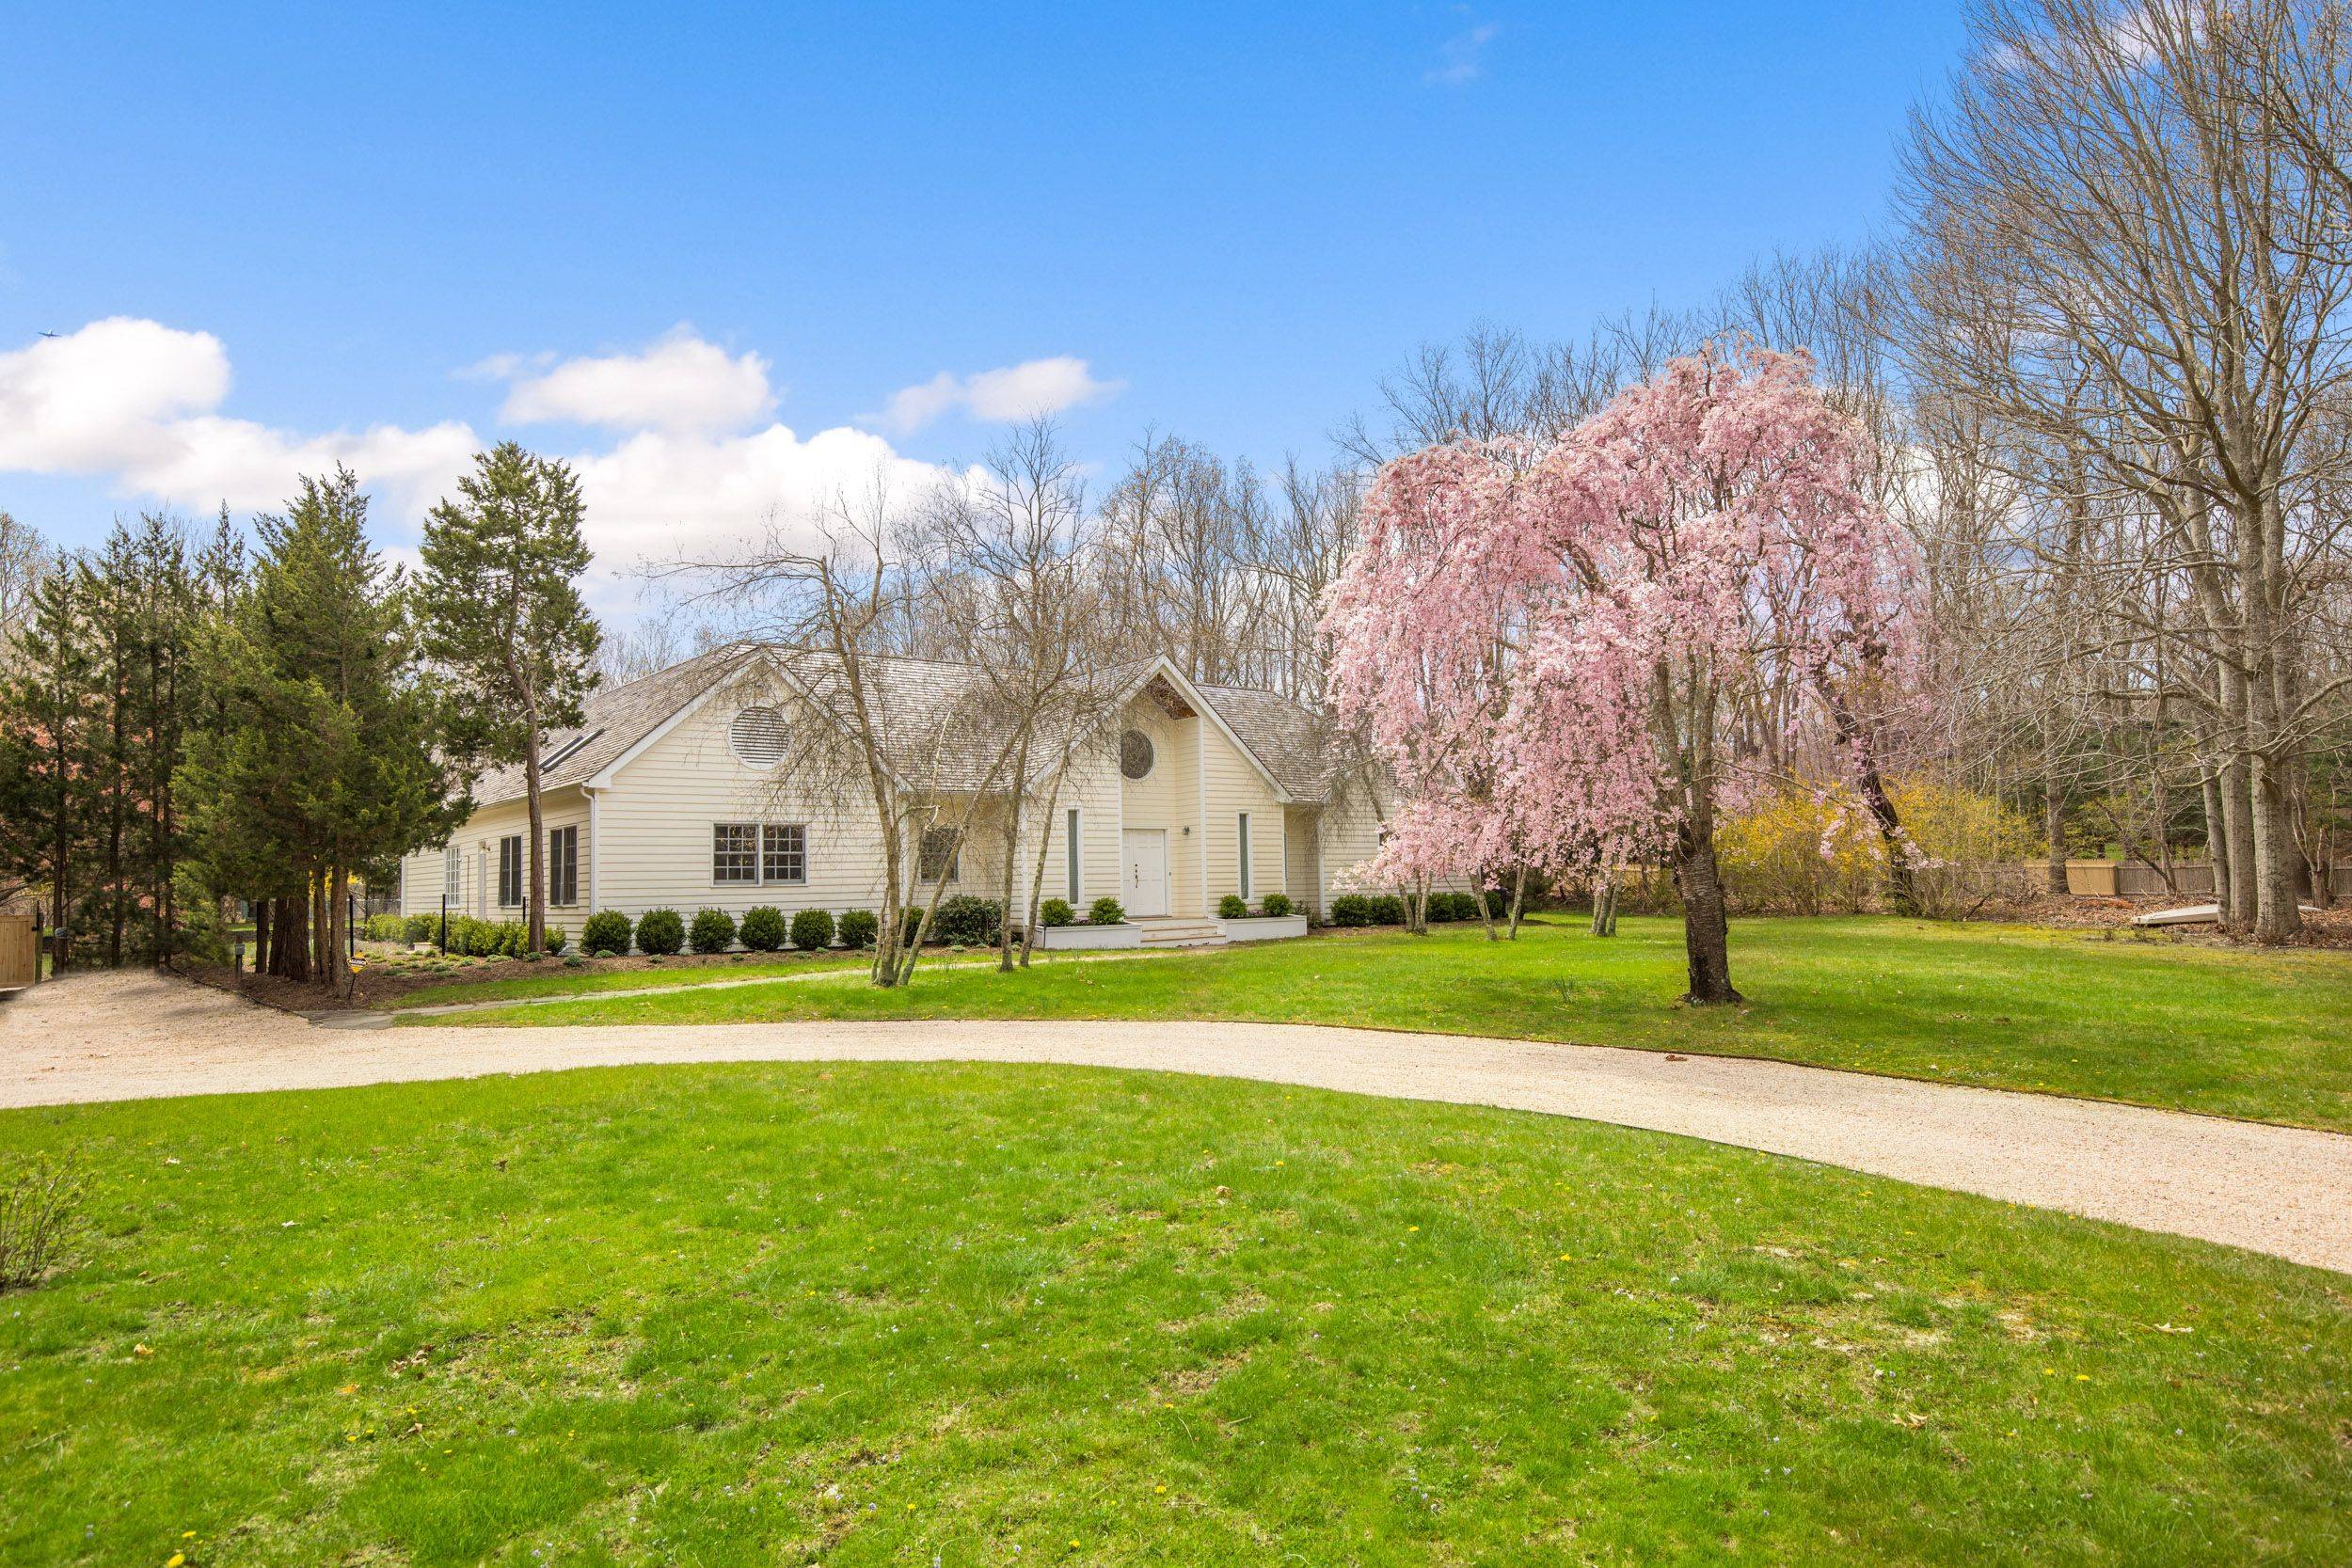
(510, 871)
(1069, 853)
(783, 852)
(755, 852)
(735, 853)
(564, 866)
(1244, 854)
(453, 872)
(937, 857)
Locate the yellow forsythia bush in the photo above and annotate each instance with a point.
(1814, 849)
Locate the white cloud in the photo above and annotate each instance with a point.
(1460, 58)
(132, 401)
(1010, 393)
(678, 383)
(137, 403)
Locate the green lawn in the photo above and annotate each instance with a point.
(2148, 1020)
(562, 981)
(868, 1314)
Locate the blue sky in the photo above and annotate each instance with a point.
(1235, 216)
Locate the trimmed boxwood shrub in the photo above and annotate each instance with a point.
(1387, 910)
(556, 938)
(662, 931)
(1056, 911)
(1232, 907)
(812, 930)
(859, 928)
(763, 929)
(1106, 911)
(713, 931)
(1277, 904)
(421, 928)
(968, 920)
(1351, 909)
(486, 939)
(607, 931)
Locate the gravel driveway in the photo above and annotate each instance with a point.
(2272, 1189)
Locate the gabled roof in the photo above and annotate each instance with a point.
(932, 711)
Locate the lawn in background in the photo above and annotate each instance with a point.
(866, 1314)
(2149, 1019)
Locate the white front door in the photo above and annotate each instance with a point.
(1144, 888)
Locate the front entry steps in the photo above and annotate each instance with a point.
(1174, 931)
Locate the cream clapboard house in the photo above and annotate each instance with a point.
(681, 791)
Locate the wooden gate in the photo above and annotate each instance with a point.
(19, 952)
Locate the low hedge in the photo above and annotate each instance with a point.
(662, 931)
(607, 931)
(968, 920)
(1056, 911)
(713, 931)
(1232, 907)
(1387, 910)
(812, 930)
(859, 928)
(1351, 909)
(1106, 911)
(763, 929)
(1277, 904)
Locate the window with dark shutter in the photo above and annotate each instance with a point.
(511, 871)
(564, 866)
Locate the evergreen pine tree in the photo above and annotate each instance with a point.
(506, 629)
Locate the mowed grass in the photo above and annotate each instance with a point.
(560, 980)
(869, 1314)
(2152, 1020)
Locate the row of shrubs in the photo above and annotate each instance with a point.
(1387, 909)
(473, 938)
(764, 929)
(1234, 907)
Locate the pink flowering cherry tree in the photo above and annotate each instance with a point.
(1567, 652)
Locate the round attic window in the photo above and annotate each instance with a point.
(757, 736)
(1135, 755)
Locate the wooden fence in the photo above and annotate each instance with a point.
(2132, 880)
(19, 952)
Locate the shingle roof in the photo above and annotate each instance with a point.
(928, 708)
(615, 719)
(1287, 737)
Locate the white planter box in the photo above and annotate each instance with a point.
(1264, 927)
(1063, 938)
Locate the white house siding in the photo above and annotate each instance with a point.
(654, 823)
(1231, 785)
(477, 842)
(1350, 826)
(1301, 828)
(1094, 787)
(1169, 798)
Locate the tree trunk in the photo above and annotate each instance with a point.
(1605, 905)
(2216, 839)
(1518, 900)
(2237, 828)
(337, 969)
(1036, 872)
(261, 936)
(1705, 928)
(2278, 917)
(2054, 830)
(1013, 855)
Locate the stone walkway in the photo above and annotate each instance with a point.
(2271, 1189)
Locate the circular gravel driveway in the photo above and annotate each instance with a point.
(2279, 1189)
